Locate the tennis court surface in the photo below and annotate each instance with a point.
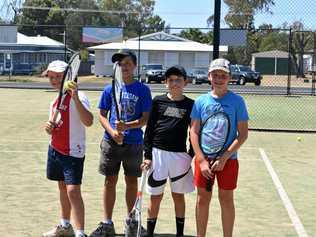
(276, 193)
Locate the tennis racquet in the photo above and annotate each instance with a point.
(213, 138)
(117, 89)
(136, 213)
(70, 74)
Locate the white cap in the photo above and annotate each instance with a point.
(219, 64)
(57, 66)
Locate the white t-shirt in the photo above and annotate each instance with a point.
(69, 137)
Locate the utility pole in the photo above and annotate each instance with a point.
(216, 30)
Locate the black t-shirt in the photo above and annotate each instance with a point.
(168, 123)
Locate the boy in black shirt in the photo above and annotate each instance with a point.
(166, 150)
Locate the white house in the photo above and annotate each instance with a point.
(157, 48)
(28, 52)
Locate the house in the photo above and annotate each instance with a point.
(274, 62)
(157, 48)
(28, 53)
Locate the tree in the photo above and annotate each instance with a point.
(241, 15)
(197, 35)
(301, 42)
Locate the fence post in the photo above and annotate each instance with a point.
(289, 71)
(313, 63)
(138, 58)
(217, 26)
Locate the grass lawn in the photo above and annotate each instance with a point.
(29, 202)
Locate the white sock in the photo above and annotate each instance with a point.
(80, 233)
(107, 221)
(64, 222)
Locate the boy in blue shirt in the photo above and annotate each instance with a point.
(225, 168)
(136, 105)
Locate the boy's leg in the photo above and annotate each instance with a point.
(227, 182)
(152, 213)
(133, 156)
(109, 196)
(110, 161)
(202, 201)
(226, 199)
(64, 201)
(179, 206)
(202, 211)
(77, 205)
(130, 192)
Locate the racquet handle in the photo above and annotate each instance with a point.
(210, 181)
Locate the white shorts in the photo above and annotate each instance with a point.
(173, 165)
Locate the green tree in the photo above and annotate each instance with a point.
(241, 15)
(197, 35)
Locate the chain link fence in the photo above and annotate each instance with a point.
(274, 69)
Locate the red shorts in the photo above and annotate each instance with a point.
(226, 179)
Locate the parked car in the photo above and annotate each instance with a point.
(198, 76)
(152, 72)
(242, 74)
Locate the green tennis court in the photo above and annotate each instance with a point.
(29, 202)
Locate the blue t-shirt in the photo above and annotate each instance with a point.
(135, 100)
(232, 104)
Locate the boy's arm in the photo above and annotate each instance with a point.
(138, 123)
(242, 128)
(86, 117)
(116, 135)
(194, 136)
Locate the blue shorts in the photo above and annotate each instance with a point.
(64, 168)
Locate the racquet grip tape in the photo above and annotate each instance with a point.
(210, 181)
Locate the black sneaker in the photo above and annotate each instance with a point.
(104, 230)
(130, 229)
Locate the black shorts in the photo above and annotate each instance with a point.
(112, 155)
(64, 168)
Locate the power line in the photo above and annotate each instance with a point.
(78, 10)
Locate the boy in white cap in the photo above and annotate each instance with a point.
(66, 152)
(225, 168)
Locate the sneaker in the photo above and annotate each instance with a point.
(130, 229)
(60, 231)
(104, 230)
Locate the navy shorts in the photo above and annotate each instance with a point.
(64, 168)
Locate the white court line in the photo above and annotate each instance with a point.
(300, 230)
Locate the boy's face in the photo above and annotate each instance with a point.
(55, 79)
(219, 79)
(127, 66)
(175, 84)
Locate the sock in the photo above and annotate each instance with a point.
(180, 226)
(107, 221)
(64, 222)
(80, 233)
(151, 224)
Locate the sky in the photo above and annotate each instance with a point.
(194, 13)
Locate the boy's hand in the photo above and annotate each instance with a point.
(117, 136)
(145, 165)
(72, 88)
(218, 165)
(205, 169)
(120, 126)
(49, 126)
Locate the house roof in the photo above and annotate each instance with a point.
(24, 40)
(159, 41)
(37, 40)
(271, 54)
